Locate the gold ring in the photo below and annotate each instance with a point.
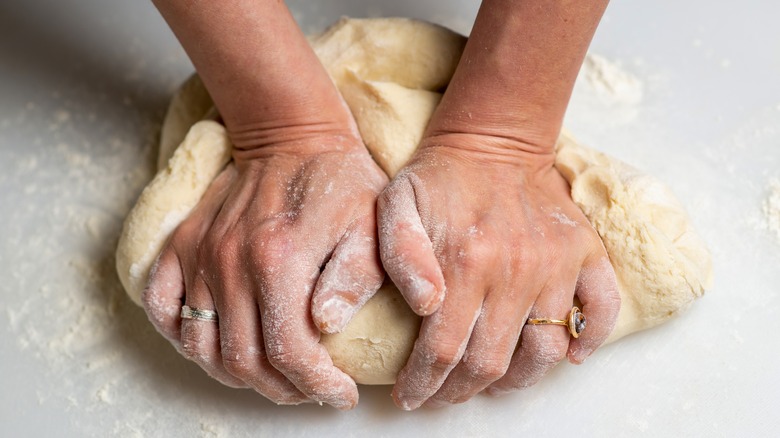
(188, 312)
(575, 322)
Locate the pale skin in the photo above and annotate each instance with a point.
(478, 231)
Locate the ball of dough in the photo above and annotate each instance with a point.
(391, 73)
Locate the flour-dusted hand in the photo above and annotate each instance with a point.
(491, 242)
(254, 249)
(479, 231)
(283, 245)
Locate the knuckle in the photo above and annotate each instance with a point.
(223, 251)
(272, 246)
(283, 360)
(526, 258)
(478, 252)
(238, 365)
(486, 370)
(547, 351)
(192, 349)
(442, 356)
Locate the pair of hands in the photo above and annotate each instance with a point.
(477, 236)
(478, 232)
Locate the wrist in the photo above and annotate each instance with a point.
(290, 130)
(489, 150)
(300, 142)
(517, 71)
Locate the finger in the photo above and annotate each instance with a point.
(597, 290)
(352, 276)
(488, 353)
(240, 330)
(291, 338)
(541, 346)
(440, 346)
(164, 295)
(200, 339)
(406, 250)
(243, 352)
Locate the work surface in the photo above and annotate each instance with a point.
(84, 85)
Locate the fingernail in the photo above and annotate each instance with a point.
(495, 392)
(579, 355)
(341, 400)
(408, 404)
(335, 314)
(403, 404)
(425, 290)
(342, 405)
(436, 403)
(294, 402)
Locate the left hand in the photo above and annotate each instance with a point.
(479, 238)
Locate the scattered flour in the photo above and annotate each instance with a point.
(71, 184)
(772, 208)
(605, 94)
(610, 82)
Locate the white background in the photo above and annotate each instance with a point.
(83, 86)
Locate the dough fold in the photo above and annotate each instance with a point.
(391, 72)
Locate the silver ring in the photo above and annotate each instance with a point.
(188, 312)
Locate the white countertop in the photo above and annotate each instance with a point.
(83, 85)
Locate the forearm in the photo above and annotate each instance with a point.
(518, 69)
(258, 67)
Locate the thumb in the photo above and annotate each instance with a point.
(406, 250)
(352, 276)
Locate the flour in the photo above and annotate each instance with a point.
(71, 174)
(771, 208)
(610, 82)
(68, 178)
(606, 94)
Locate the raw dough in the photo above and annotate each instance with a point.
(391, 73)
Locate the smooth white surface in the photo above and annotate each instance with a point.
(83, 85)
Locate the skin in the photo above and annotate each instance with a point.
(302, 192)
(478, 231)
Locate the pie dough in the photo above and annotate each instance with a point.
(391, 73)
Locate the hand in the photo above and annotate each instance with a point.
(283, 242)
(283, 239)
(479, 236)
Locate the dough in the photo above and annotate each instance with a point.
(168, 200)
(391, 73)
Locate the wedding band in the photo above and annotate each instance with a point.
(188, 312)
(575, 322)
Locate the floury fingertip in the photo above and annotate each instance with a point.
(334, 314)
(425, 294)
